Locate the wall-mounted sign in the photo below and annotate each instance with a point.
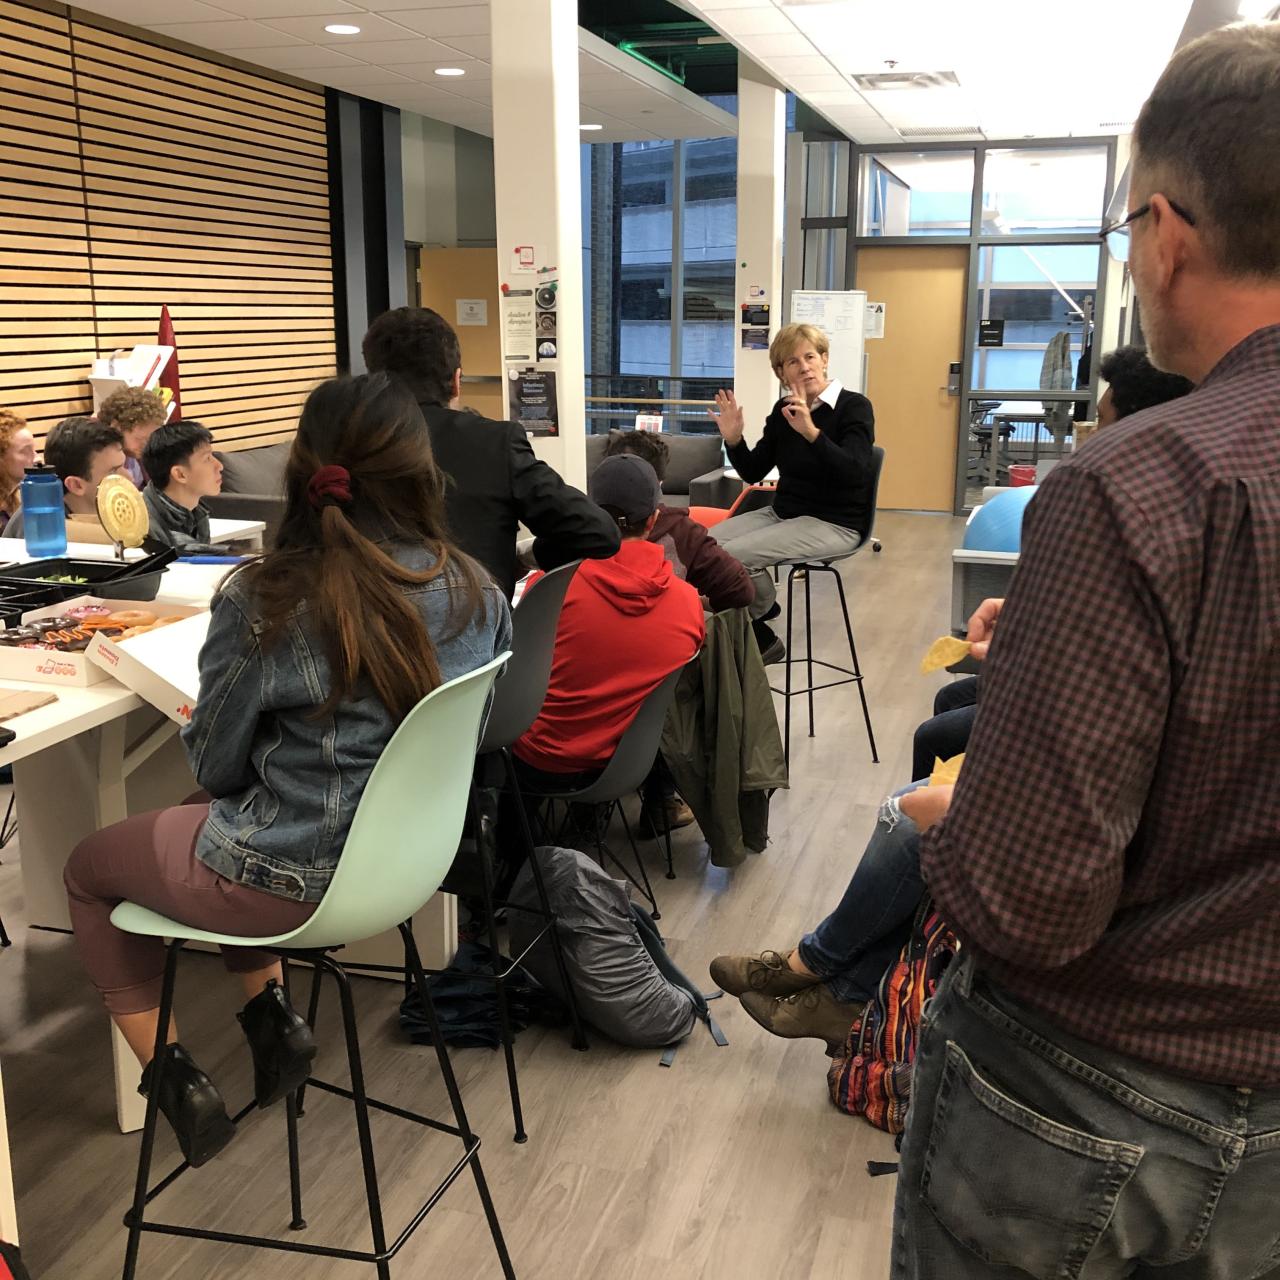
(533, 400)
(874, 325)
(518, 337)
(991, 333)
(473, 311)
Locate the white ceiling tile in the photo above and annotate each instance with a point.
(298, 57)
(765, 48)
(227, 36)
(362, 77)
(827, 97)
(283, 8)
(465, 20)
(814, 64)
(710, 6)
(390, 53)
(766, 21)
(470, 46)
(145, 12)
(392, 6)
(826, 82)
(312, 28)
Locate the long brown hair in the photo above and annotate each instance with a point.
(329, 554)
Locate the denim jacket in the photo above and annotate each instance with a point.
(286, 784)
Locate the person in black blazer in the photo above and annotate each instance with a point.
(495, 480)
(819, 437)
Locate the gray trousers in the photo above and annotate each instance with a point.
(1030, 1155)
(761, 539)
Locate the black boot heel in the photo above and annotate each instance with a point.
(281, 1043)
(192, 1105)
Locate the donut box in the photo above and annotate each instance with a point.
(20, 659)
(160, 665)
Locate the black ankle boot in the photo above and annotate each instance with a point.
(192, 1105)
(280, 1041)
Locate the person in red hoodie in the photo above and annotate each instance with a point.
(626, 624)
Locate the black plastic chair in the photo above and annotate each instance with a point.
(626, 771)
(517, 699)
(805, 569)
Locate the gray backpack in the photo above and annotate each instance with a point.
(626, 985)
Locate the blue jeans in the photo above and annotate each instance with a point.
(861, 938)
(1031, 1154)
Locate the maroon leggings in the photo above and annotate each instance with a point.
(150, 859)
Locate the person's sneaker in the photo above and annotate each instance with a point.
(192, 1106)
(280, 1041)
(767, 973)
(678, 815)
(810, 1014)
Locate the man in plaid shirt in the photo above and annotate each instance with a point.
(1097, 1088)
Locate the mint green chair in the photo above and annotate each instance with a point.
(402, 842)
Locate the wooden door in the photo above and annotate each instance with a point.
(917, 422)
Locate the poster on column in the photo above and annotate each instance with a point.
(519, 336)
(533, 400)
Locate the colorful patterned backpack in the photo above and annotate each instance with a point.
(872, 1077)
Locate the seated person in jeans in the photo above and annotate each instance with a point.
(819, 436)
(183, 468)
(1133, 384)
(626, 624)
(84, 452)
(315, 654)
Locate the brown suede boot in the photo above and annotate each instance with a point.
(812, 1013)
(767, 973)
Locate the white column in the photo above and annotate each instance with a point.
(762, 124)
(538, 190)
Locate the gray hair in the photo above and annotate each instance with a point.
(1211, 131)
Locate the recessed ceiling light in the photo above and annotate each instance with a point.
(342, 29)
(590, 128)
(450, 71)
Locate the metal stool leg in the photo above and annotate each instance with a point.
(133, 1219)
(297, 1222)
(808, 643)
(857, 670)
(361, 1100)
(483, 828)
(786, 697)
(647, 890)
(544, 903)
(4, 937)
(455, 1099)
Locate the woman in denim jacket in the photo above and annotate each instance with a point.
(316, 651)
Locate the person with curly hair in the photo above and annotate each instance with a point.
(17, 453)
(1134, 384)
(135, 412)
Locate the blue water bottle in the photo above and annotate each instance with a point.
(44, 518)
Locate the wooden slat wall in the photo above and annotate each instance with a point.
(133, 176)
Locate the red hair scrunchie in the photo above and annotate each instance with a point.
(330, 487)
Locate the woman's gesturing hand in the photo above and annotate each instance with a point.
(728, 417)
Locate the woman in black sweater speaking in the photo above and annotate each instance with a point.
(819, 436)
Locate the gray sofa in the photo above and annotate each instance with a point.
(253, 486)
(253, 479)
(695, 463)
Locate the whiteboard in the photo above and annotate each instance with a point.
(842, 316)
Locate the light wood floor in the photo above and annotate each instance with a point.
(733, 1163)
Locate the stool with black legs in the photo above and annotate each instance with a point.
(517, 699)
(403, 838)
(805, 570)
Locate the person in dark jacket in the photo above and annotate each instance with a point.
(719, 578)
(819, 437)
(495, 482)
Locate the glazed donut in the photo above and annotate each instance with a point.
(98, 624)
(136, 631)
(169, 621)
(132, 618)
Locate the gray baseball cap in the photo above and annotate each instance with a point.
(627, 483)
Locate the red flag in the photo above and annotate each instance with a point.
(169, 376)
